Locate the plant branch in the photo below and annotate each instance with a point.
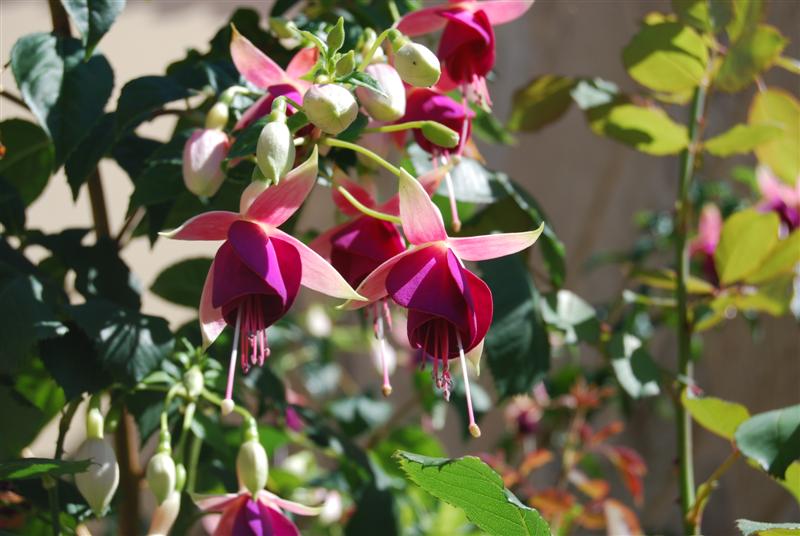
(130, 473)
(704, 491)
(13, 98)
(97, 199)
(125, 234)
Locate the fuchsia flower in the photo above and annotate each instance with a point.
(245, 514)
(258, 69)
(424, 104)
(467, 46)
(780, 198)
(705, 243)
(449, 307)
(257, 272)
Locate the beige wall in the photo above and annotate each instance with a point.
(590, 187)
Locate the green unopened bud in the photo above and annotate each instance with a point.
(439, 134)
(99, 482)
(282, 28)
(389, 106)
(252, 466)
(330, 107)
(161, 475)
(346, 64)
(94, 420)
(417, 65)
(336, 36)
(193, 381)
(369, 39)
(180, 476)
(217, 116)
(275, 150)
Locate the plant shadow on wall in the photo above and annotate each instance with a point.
(429, 279)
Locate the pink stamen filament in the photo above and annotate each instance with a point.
(387, 386)
(474, 430)
(232, 365)
(451, 193)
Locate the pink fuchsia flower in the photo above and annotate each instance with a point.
(705, 243)
(257, 272)
(258, 69)
(779, 197)
(424, 104)
(246, 514)
(467, 45)
(203, 155)
(449, 307)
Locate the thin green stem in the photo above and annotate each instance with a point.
(217, 401)
(52, 483)
(371, 52)
(398, 127)
(365, 209)
(333, 142)
(194, 457)
(704, 491)
(684, 329)
(55, 509)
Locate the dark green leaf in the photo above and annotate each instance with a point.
(705, 15)
(74, 364)
(83, 161)
(353, 132)
(12, 209)
(360, 78)
(633, 366)
(748, 57)
(543, 101)
(182, 283)
(39, 467)
(247, 140)
(772, 439)
(132, 152)
(488, 127)
(359, 414)
(517, 345)
(93, 18)
(22, 417)
(28, 160)
(571, 314)
(156, 184)
(473, 486)
(142, 96)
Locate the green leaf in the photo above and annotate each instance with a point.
(747, 14)
(635, 370)
(667, 56)
(93, 18)
(130, 345)
(359, 414)
(74, 364)
(517, 345)
(29, 158)
(756, 52)
(649, 130)
(543, 101)
(571, 314)
(758, 528)
(746, 239)
(182, 283)
(359, 78)
(714, 414)
(39, 467)
(772, 439)
(12, 209)
(247, 140)
(473, 486)
(741, 139)
(705, 15)
(777, 108)
(593, 93)
(22, 417)
(781, 260)
(83, 161)
(142, 96)
(65, 93)
(667, 280)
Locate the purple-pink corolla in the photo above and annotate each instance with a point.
(449, 307)
(703, 246)
(257, 272)
(248, 514)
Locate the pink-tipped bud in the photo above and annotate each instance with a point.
(99, 482)
(389, 106)
(165, 514)
(330, 107)
(202, 161)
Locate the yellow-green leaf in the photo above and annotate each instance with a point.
(778, 108)
(666, 279)
(781, 260)
(714, 414)
(746, 239)
(649, 130)
(754, 53)
(541, 102)
(741, 139)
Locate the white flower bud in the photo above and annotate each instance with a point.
(165, 515)
(161, 476)
(252, 466)
(194, 381)
(202, 160)
(417, 65)
(388, 107)
(99, 482)
(330, 107)
(275, 151)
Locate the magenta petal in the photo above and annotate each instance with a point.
(231, 514)
(362, 245)
(483, 307)
(258, 252)
(263, 106)
(422, 21)
(275, 522)
(467, 46)
(373, 287)
(428, 104)
(322, 243)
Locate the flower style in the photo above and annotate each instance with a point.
(247, 514)
(258, 69)
(449, 307)
(705, 243)
(780, 198)
(467, 46)
(257, 272)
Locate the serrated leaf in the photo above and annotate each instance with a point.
(39, 467)
(544, 100)
(65, 93)
(29, 158)
(758, 528)
(473, 486)
(772, 439)
(649, 130)
(93, 18)
(741, 139)
(714, 414)
(754, 53)
(781, 260)
(746, 239)
(182, 283)
(667, 56)
(777, 108)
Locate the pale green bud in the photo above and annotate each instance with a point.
(417, 65)
(330, 107)
(161, 476)
(439, 134)
(99, 482)
(275, 151)
(180, 476)
(252, 466)
(193, 380)
(217, 116)
(389, 106)
(283, 29)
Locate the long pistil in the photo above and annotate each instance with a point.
(474, 430)
(227, 404)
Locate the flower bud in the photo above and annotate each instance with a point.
(180, 477)
(252, 467)
(165, 514)
(275, 151)
(390, 106)
(330, 107)
(438, 134)
(282, 28)
(193, 380)
(99, 482)
(417, 65)
(217, 116)
(161, 476)
(202, 160)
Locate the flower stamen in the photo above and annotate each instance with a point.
(474, 430)
(227, 404)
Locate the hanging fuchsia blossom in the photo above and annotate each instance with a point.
(424, 104)
(257, 272)
(258, 69)
(449, 307)
(467, 45)
(780, 198)
(246, 514)
(357, 247)
(703, 246)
